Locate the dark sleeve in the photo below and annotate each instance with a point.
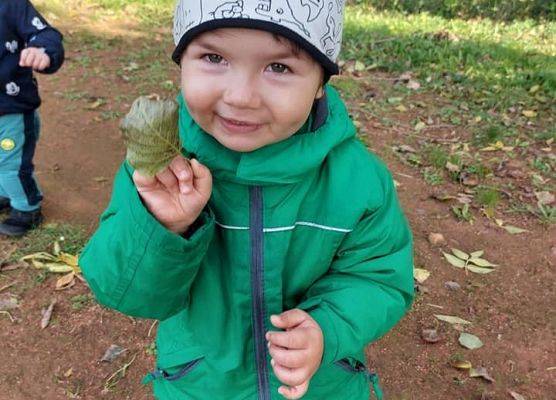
(35, 31)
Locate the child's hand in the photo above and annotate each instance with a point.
(177, 194)
(297, 352)
(35, 58)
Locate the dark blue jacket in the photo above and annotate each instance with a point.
(22, 26)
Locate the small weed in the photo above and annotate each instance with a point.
(81, 301)
(436, 156)
(432, 177)
(463, 213)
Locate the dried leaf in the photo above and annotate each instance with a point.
(544, 197)
(57, 248)
(47, 314)
(480, 372)
(460, 254)
(461, 364)
(481, 262)
(430, 335)
(479, 270)
(529, 113)
(514, 230)
(421, 275)
(452, 285)
(113, 352)
(456, 262)
(66, 281)
(151, 133)
(8, 303)
(452, 319)
(515, 395)
(436, 239)
(470, 341)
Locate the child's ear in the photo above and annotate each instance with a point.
(320, 93)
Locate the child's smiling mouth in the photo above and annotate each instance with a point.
(237, 126)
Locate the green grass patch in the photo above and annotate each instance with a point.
(71, 238)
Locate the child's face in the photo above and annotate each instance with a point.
(248, 89)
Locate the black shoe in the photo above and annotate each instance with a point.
(4, 203)
(19, 223)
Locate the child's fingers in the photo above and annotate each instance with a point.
(43, 63)
(182, 170)
(294, 339)
(289, 319)
(142, 181)
(168, 179)
(288, 358)
(294, 393)
(288, 376)
(202, 175)
(24, 58)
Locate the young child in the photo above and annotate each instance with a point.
(275, 249)
(27, 44)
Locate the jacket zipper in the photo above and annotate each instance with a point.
(257, 289)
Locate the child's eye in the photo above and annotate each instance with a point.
(279, 68)
(213, 58)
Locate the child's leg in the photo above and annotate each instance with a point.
(18, 137)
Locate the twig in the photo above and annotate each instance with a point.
(110, 383)
(9, 285)
(9, 315)
(151, 328)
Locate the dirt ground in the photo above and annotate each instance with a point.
(512, 309)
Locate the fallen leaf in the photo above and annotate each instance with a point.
(529, 113)
(452, 285)
(460, 254)
(470, 341)
(479, 270)
(480, 262)
(452, 167)
(47, 314)
(413, 85)
(456, 262)
(68, 373)
(419, 126)
(430, 335)
(436, 239)
(477, 254)
(113, 352)
(452, 319)
(514, 230)
(421, 275)
(66, 281)
(461, 364)
(8, 302)
(515, 395)
(544, 198)
(480, 372)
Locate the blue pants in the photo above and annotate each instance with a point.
(19, 134)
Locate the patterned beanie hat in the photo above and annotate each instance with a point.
(315, 25)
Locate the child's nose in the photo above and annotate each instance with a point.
(242, 93)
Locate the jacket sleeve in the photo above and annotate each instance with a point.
(134, 264)
(33, 29)
(369, 285)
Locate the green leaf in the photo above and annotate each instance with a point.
(420, 274)
(460, 254)
(479, 270)
(477, 254)
(514, 230)
(452, 319)
(482, 262)
(470, 341)
(456, 262)
(151, 133)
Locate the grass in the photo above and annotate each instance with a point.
(71, 238)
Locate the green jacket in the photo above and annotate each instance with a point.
(312, 222)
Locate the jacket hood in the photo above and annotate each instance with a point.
(284, 162)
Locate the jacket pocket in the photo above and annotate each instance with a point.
(352, 365)
(173, 373)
